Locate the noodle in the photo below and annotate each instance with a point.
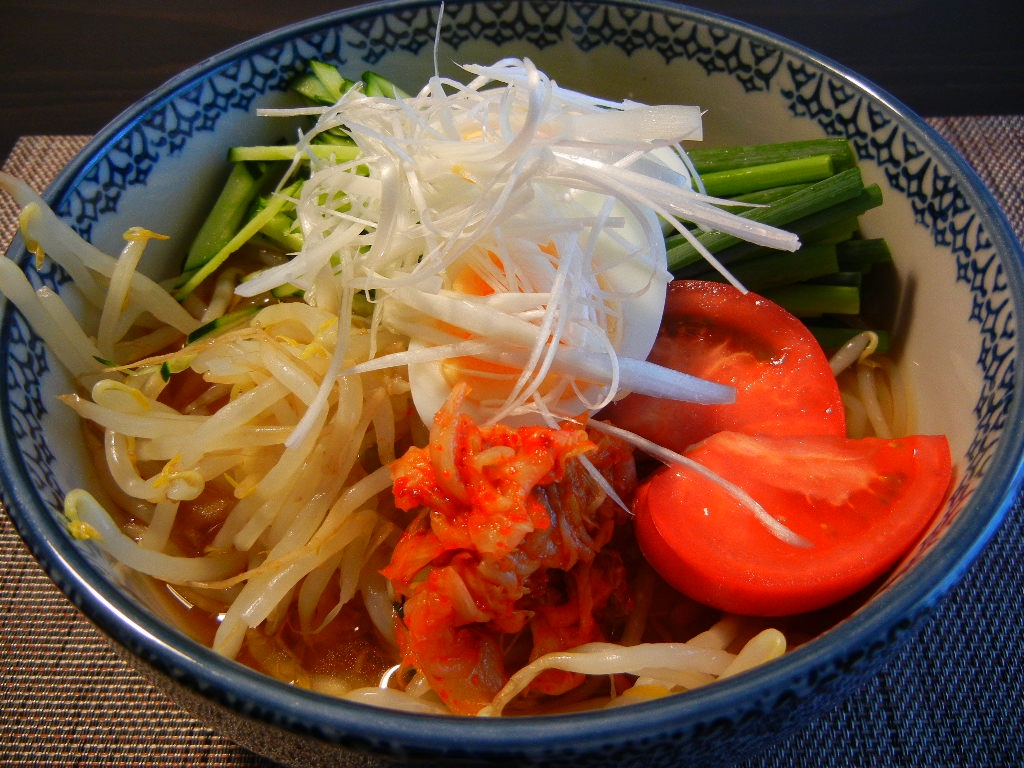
(874, 394)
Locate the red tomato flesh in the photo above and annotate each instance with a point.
(784, 385)
(860, 503)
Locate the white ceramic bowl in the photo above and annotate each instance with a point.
(959, 269)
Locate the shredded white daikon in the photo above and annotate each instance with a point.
(467, 194)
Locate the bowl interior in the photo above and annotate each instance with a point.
(159, 164)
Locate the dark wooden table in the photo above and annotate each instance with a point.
(69, 67)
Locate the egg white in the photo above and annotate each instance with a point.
(641, 292)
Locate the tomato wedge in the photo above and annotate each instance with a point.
(860, 503)
(784, 385)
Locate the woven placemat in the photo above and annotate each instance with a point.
(953, 697)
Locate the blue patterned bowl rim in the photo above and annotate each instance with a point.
(241, 689)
